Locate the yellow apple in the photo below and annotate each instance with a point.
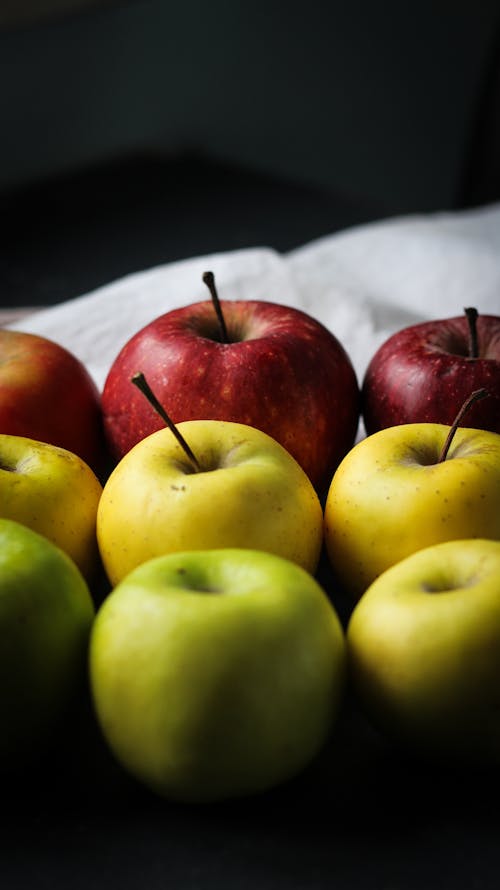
(249, 492)
(424, 651)
(54, 492)
(392, 495)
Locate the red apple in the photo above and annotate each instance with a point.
(254, 362)
(425, 372)
(47, 394)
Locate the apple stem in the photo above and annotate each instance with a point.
(209, 280)
(471, 314)
(474, 397)
(140, 381)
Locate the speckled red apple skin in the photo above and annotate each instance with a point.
(422, 374)
(47, 394)
(283, 372)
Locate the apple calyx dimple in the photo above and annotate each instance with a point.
(140, 381)
(447, 584)
(209, 280)
(195, 587)
(7, 468)
(471, 314)
(474, 397)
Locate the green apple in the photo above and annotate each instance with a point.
(424, 650)
(216, 673)
(54, 492)
(46, 613)
(393, 495)
(246, 491)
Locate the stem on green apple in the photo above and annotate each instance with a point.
(142, 384)
(474, 397)
(209, 280)
(471, 314)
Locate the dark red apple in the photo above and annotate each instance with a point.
(280, 370)
(46, 393)
(425, 372)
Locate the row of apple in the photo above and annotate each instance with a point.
(262, 364)
(280, 370)
(182, 683)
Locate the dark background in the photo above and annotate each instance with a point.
(135, 133)
(138, 133)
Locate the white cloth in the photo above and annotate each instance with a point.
(363, 283)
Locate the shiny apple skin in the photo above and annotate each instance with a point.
(282, 372)
(47, 394)
(422, 374)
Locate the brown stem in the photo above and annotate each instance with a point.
(474, 397)
(471, 314)
(209, 280)
(140, 381)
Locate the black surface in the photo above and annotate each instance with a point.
(359, 817)
(363, 815)
(66, 236)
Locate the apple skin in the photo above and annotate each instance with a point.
(251, 493)
(46, 613)
(422, 374)
(216, 674)
(424, 651)
(282, 372)
(48, 395)
(390, 497)
(54, 492)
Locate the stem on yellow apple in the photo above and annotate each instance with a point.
(209, 280)
(474, 397)
(471, 314)
(142, 384)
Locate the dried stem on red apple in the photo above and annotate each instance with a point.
(471, 314)
(474, 397)
(209, 280)
(140, 381)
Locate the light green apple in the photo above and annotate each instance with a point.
(424, 651)
(216, 673)
(54, 492)
(392, 495)
(248, 492)
(46, 612)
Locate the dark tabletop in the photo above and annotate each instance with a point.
(62, 238)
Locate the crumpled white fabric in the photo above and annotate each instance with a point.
(363, 283)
